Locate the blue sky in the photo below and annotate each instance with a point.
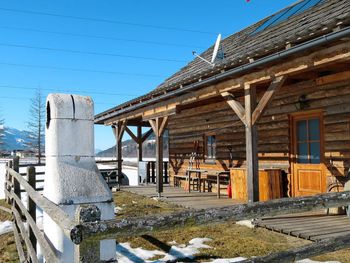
(54, 52)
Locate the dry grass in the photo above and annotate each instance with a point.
(8, 252)
(134, 205)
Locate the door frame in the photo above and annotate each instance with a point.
(293, 146)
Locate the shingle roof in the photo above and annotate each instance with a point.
(244, 45)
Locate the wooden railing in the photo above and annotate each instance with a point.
(81, 232)
(27, 214)
(151, 172)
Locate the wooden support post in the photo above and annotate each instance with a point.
(249, 115)
(31, 177)
(158, 126)
(159, 164)
(88, 250)
(139, 143)
(118, 131)
(251, 145)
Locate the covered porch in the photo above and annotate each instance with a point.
(300, 88)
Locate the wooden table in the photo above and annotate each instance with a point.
(198, 172)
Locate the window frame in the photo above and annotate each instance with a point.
(212, 158)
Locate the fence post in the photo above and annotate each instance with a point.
(166, 172)
(153, 167)
(88, 250)
(16, 164)
(31, 206)
(15, 184)
(8, 180)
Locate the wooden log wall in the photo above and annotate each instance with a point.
(274, 129)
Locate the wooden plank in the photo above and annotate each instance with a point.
(48, 250)
(330, 229)
(266, 99)
(327, 236)
(54, 211)
(30, 249)
(333, 78)
(18, 242)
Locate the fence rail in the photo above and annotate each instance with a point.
(82, 232)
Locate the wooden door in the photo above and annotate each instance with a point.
(308, 171)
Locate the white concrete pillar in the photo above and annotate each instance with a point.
(72, 177)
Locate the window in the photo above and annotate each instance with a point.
(308, 141)
(287, 13)
(210, 147)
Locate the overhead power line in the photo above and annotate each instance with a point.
(90, 53)
(106, 21)
(80, 70)
(69, 90)
(25, 98)
(101, 37)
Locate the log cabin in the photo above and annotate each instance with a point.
(276, 103)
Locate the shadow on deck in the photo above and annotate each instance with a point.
(180, 197)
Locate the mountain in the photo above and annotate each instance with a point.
(129, 148)
(14, 139)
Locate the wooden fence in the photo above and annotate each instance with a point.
(87, 229)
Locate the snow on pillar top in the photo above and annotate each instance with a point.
(69, 126)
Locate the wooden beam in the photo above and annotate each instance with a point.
(267, 97)
(147, 134)
(163, 125)
(154, 127)
(236, 106)
(251, 134)
(132, 135)
(237, 212)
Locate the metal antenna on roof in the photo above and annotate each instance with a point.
(215, 52)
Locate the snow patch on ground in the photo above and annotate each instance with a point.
(5, 227)
(246, 223)
(127, 254)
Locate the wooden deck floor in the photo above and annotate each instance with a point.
(178, 196)
(311, 226)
